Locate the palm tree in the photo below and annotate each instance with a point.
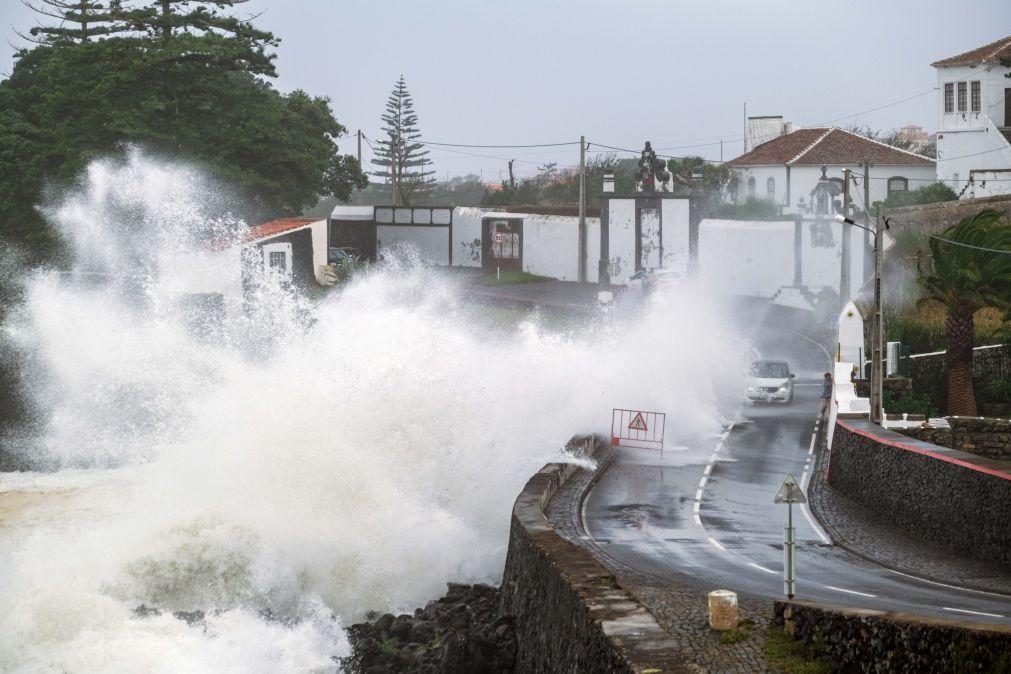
(970, 269)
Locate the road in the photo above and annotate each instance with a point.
(708, 511)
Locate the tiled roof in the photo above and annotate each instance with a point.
(995, 52)
(827, 145)
(275, 227)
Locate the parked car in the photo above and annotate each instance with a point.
(770, 382)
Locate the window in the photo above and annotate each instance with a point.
(962, 107)
(733, 190)
(770, 188)
(278, 260)
(954, 181)
(949, 97)
(751, 187)
(974, 86)
(897, 184)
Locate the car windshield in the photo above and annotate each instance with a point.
(764, 370)
(336, 255)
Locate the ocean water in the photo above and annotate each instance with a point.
(301, 462)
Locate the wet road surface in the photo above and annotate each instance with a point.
(708, 511)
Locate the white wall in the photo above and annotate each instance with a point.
(431, 243)
(621, 238)
(746, 258)
(467, 237)
(969, 140)
(675, 235)
(551, 246)
(761, 174)
(989, 183)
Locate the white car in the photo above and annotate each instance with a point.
(770, 382)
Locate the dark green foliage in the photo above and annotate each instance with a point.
(79, 20)
(928, 194)
(186, 86)
(911, 403)
(751, 208)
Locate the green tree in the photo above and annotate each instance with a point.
(198, 97)
(79, 20)
(400, 156)
(971, 272)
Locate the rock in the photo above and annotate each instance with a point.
(422, 632)
(385, 622)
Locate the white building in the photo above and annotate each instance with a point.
(786, 169)
(974, 120)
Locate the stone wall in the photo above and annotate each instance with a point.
(930, 372)
(935, 218)
(857, 640)
(570, 614)
(950, 498)
(990, 438)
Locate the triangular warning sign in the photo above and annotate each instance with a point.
(790, 492)
(638, 423)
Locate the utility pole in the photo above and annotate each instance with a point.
(745, 127)
(582, 209)
(721, 150)
(877, 332)
(867, 223)
(361, 195)
(512, 180)
(847, 234)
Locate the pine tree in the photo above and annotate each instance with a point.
(199, 32)
(400, 156)
(79, 20)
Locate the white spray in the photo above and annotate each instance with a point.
(307, 463)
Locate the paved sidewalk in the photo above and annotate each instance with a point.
(679, 604)
(867, 534)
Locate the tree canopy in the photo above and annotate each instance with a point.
(182, 83)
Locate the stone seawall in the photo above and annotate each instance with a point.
(944, 496)
(857, 640)
(570, 614)
(989, 438)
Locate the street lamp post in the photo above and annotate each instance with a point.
(877, 324)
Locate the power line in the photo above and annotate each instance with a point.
(1001, 251)
(432, 142)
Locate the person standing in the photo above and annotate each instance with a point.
(826, 392)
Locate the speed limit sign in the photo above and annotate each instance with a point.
(500, 237)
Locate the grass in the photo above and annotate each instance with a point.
(513, 277)
(922, 329)
(733, 637)
(790, 656)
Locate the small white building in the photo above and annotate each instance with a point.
(974, 120)
(786, 169)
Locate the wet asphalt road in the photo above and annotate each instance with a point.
(708, 511)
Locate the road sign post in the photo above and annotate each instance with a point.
(790, 493)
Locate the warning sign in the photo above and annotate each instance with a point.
(638, 423)
(637, 428)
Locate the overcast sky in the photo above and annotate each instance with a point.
(618, 71)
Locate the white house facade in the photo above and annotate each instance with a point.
(974, 120)
(786, 169)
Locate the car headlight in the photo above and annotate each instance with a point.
(752, 389)
(784, 388)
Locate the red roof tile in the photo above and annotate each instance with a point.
(998, 51)
(275, 227)
(827, 145)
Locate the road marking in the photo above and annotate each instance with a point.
(842, 589)
(695, 507)
(702, 483)
(953, 587)
(698, 495)
(761, 568)
(823, 349)
(716, 543)
(698, 520)
(709, 469)
(806, 509)
(962, 610)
